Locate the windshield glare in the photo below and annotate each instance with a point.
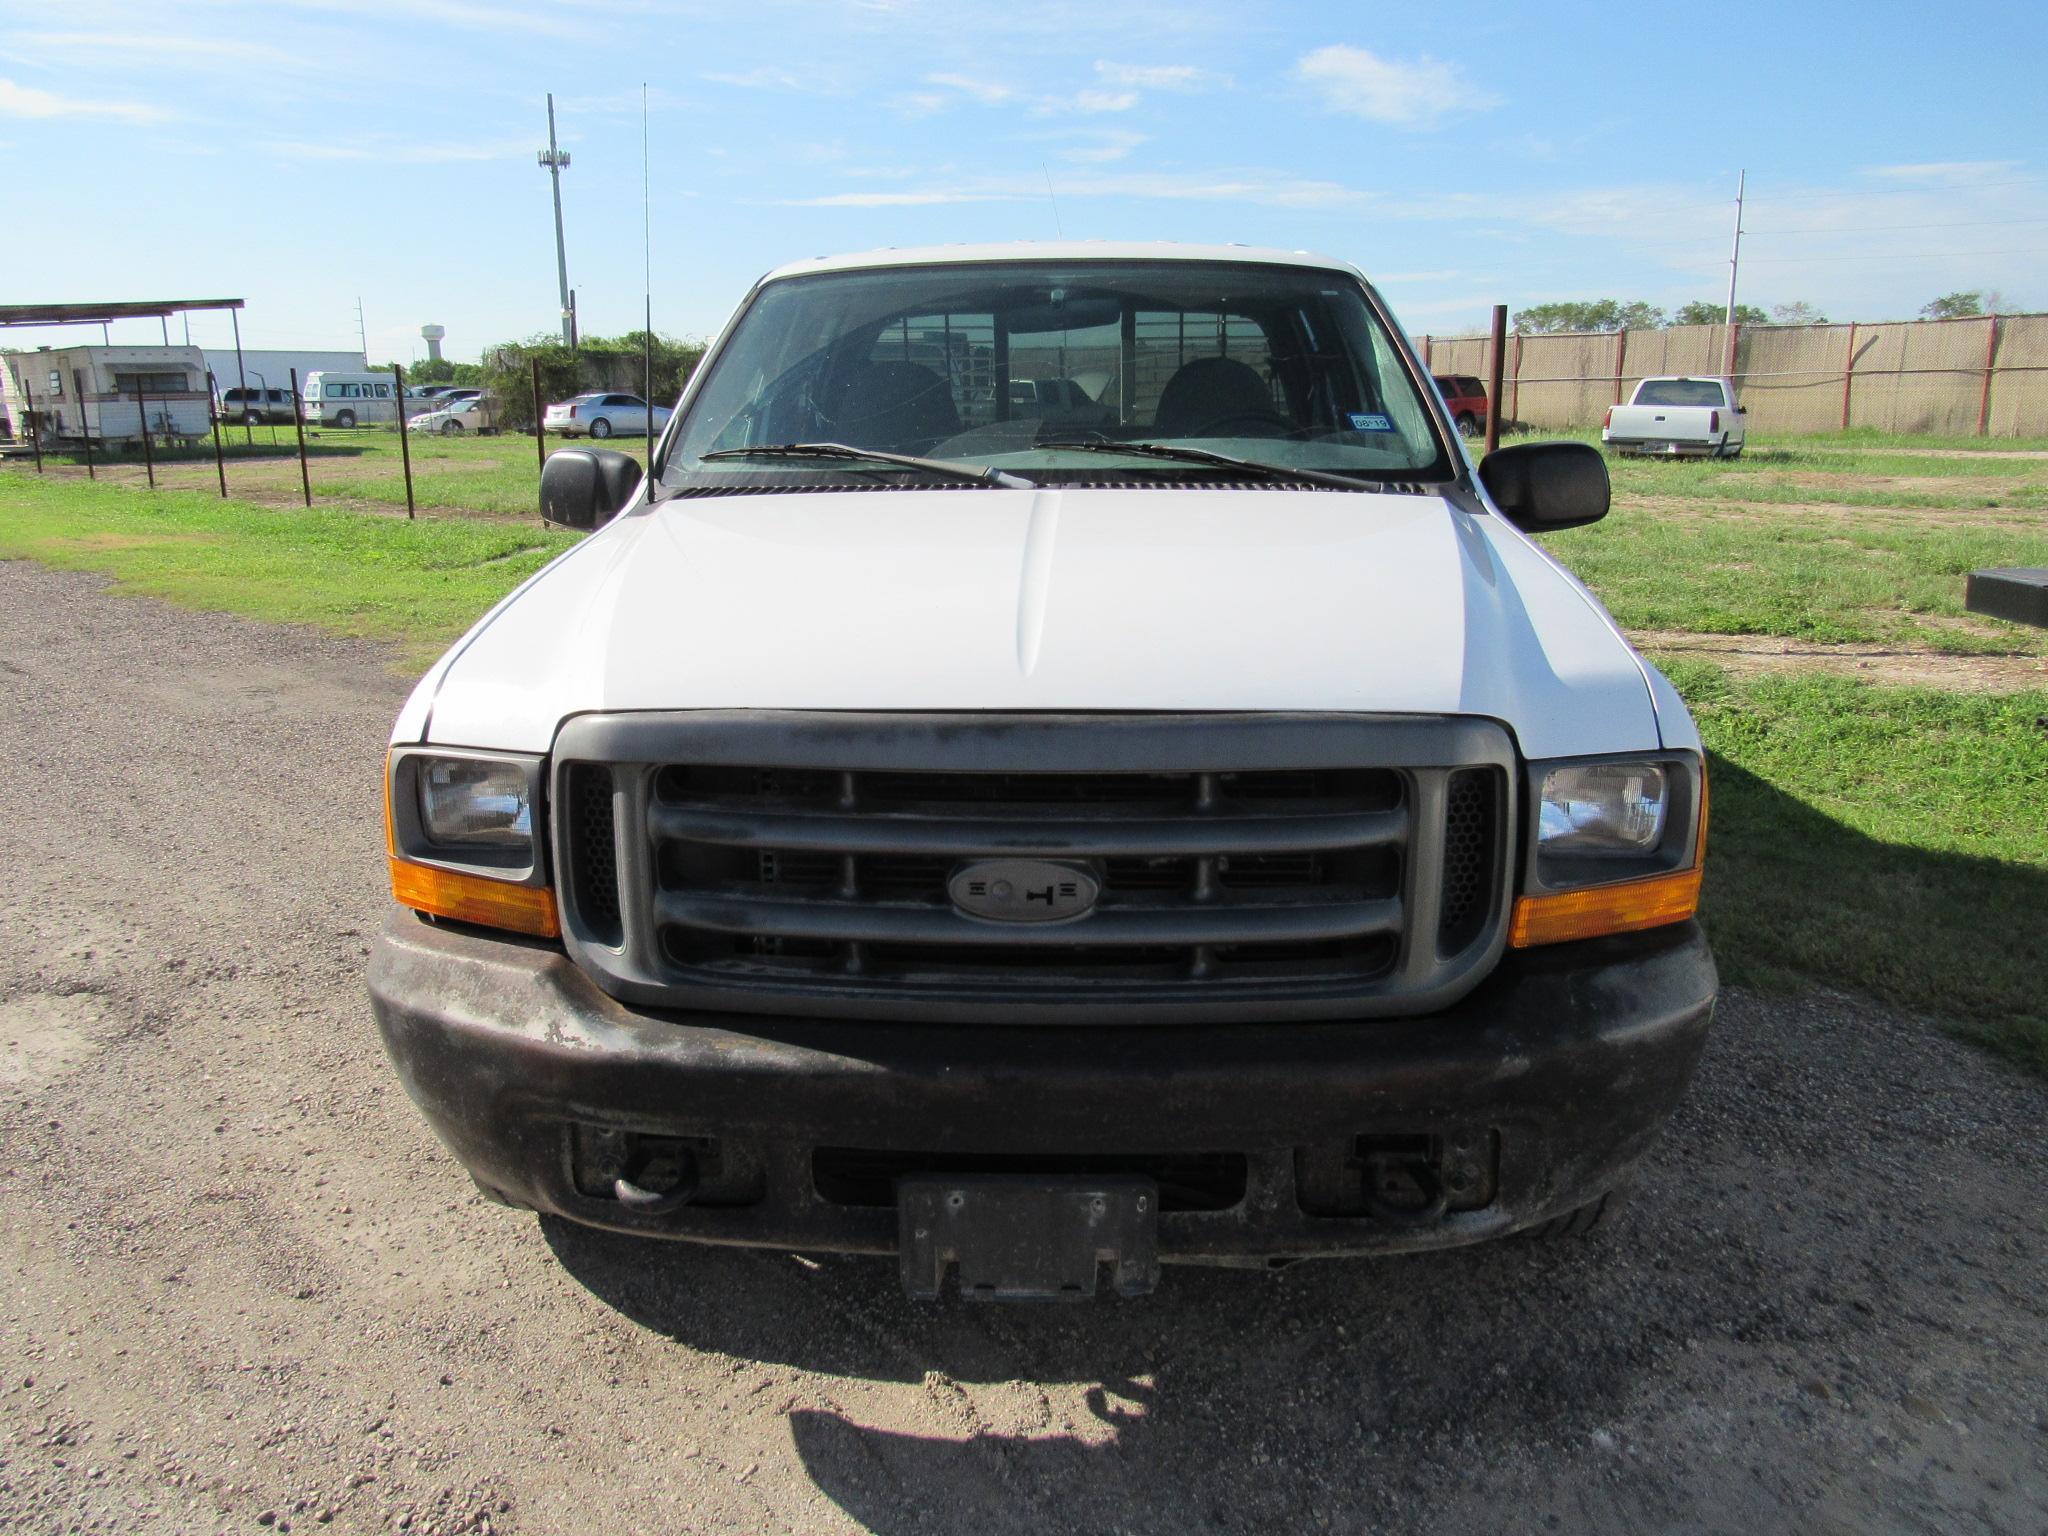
(996, 365)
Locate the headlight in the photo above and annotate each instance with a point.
(470, 804)
(1617, 848)
(465, 838)
(1602, 810)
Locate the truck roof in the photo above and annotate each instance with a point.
(1058, 250)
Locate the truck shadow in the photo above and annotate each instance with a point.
(1760, 1239)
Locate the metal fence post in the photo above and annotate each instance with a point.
(142, 415)
(1494, 364)
(1848, 374)
(299, 431)
(1990, 362)
(404, 436)
(220, 467)
(540, 437)
(35, 438)
(1515, 404)
(242, 378)
(84, 422)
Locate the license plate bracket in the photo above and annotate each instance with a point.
(1027, 1238)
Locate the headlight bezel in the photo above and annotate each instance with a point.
(412, 842)
(1677, 847)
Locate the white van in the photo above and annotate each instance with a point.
(335, 399)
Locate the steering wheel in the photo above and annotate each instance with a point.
(1254, 418)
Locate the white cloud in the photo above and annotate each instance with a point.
(1085, 103)
(27, 101)
(1157, 77)
(949, 90)
(1949, 172)
(766, 78)
(403, 152)
(1407, 93)
(203, 47)
(921, 103)
(906, 199)
(989, 93)
(1260, 188)
(1093, 146)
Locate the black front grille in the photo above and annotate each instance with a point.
(796, 883)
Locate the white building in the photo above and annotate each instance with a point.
(273, 369)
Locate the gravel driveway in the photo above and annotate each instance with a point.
(244, 1288)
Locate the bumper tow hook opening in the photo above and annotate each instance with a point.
(1404, 1191)
(664, 1201)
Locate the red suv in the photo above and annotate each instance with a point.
(1465, 398)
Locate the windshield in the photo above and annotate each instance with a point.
(997, 365)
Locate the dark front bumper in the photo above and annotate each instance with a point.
(1564, 1062)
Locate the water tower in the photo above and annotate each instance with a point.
(433, 335)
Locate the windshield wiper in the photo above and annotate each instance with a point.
(984, 474)
(1175, 454)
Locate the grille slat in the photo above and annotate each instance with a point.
(1111, 923)
(1224, 832)
(796, 882)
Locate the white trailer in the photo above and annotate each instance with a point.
(109, 394)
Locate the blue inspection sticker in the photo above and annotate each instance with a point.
(1371, 421)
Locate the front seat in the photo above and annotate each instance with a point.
(900, 407)
(1209, 391)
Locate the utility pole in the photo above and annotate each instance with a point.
(554, 161)
(1734, 262)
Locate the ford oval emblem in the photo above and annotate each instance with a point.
(1023, 891)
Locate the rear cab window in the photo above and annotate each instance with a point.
(1680, 392)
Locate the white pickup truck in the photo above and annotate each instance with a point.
(1677, 417)
(917, 822)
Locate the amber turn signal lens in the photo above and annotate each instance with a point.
(1624, 908)
(475, 899)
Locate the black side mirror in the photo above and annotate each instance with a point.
(1543, 486)
(585, 487)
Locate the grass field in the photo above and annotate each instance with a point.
(417, 584)
(1880, 762)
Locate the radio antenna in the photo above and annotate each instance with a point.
(1058, 228)
(647, 288)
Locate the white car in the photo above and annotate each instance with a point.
(471, 411)
(1218, 834)
(1677, 417)
(602, 415)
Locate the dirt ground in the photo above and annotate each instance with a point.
(246, 1290)
(1901, 666)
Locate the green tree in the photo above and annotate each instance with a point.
(599, 362)
(1953, 306)
(1587, 315)
(1706, 312)
(1799, 312)
(430, 371)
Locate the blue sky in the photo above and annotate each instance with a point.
(302, 153)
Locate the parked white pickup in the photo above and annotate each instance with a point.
(1677, 417)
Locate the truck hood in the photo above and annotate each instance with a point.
(1260, 598)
